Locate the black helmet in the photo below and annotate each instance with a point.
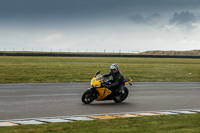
(114, 68)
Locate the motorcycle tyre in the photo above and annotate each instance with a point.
(85, 94)
(126, 95)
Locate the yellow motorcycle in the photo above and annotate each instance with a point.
(99, 92)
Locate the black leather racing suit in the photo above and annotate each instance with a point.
(118, 81)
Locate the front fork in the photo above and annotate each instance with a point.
(94, 92)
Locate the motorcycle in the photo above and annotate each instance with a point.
(99, 92)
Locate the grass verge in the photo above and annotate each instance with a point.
(15, 69)
(187, 123)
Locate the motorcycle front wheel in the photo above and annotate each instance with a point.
(88, 97)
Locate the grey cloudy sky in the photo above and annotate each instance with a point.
(129, 25)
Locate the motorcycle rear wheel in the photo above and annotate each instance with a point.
(88, 97)
(121, 97)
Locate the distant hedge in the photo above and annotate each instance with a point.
(94, 55)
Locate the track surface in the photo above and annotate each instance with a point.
(18, 101)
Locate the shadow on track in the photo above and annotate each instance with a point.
(108, 104)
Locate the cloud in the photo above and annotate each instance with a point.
(185, 18)
(150, 19)
(53, 38)
(137, 18)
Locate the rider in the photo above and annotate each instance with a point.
(118, 79)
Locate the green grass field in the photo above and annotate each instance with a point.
(15, 69)
(149, 124)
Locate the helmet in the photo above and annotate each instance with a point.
(114, 68)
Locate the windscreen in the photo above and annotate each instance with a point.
(99, 77)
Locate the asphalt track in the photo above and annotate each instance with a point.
(18, 101)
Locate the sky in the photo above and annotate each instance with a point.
(125, 26)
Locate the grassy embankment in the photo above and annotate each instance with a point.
(149, 124)
(80, 69)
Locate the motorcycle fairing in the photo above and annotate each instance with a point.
(103, 93)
